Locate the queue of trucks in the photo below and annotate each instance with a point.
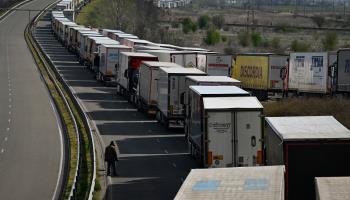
(216, 104)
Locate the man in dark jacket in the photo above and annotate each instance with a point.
(111, 157)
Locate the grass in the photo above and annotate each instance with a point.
(339, 108)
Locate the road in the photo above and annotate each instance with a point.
(153, 160)
(30, 139)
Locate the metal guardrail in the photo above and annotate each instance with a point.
(78, 107)
(16, 6)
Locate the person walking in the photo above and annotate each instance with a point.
(111, 157)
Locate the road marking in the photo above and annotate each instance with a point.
(9, 120)
(10, 94)
(9, 112)
(5, 139)
(174, 165)
(2, 150)
(10, 106)
(7, 129)
(10, 100)
(165, 151)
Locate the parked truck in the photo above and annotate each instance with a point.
(260, 73)
(172, 89)
(108, 60)
(127, 73)
(218, 65)
(226, 131)
(147, 89)
(309, 147)
(308, 72)
(332, 188)
(343, 71)
(238, 183)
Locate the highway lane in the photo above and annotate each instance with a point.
(30, 139)
(153, 160)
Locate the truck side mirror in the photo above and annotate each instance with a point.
(182, 98)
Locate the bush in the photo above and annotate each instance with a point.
(275, 43)
(224, 38)
(330, 41)
(319, 20)
(188, 25)
(218, 21)
(203, 21)
(256, 39)
(213, 37)
(243, 38)
(299, 47)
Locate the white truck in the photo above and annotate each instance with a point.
(343, 71)
(131, 42)
(108, 59)
(236, 183)
(147, 89)
(308, 72)
(226, 131)
(171, 87)
(218, 65)
(127, 72)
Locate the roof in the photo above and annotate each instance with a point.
(333, 188)
(308, 127)
(137, 54)
(161, 64)
(217, 79)
(139, 40)
(150, 47)
(229, 103)
(183, 71)
(241, 183)
(211, 90)
(119, 46)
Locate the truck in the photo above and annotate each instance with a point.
(131, 42)
(239, 183)
(83, 44)
(119, 36)
(218, 65)
(226, 130)
(332, 188)
(260, 72)
(343, 71)
(73, 35)
(309, 147)
(308, 72)
(127, 72)
(108, 59)
(172, 88)
(147, 89)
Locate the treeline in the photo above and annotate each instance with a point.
(7, 3)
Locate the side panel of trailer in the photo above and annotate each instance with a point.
(146, 83)
(252, 71)
(308, 72)
(344, 71)
(178, 59)
(163, 90)
(218, 65)
(276, 64)
(202, 62)
(190, 61)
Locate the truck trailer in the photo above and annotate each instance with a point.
(172, 88)
(309, 147)
(238, 183)
(218, 65)
(343, 71)
(332, 188)
(226, 131)
(147, 89)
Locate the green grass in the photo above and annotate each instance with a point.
(339, 108)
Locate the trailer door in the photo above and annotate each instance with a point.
(248, 138)
(220, 139)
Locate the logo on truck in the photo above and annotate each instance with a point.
(251, 71)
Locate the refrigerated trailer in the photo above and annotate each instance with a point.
(147, 88)
(260, 73)
(172, 88)
(343, 70)
(226, 131)
(218, 65)
(127, 73)
(309, 147)
(332, 188)
(239, 183)
(308, 72)
(108, 59)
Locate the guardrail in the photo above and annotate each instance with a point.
(85, 127)
(14, 7)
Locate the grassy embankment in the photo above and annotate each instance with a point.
(339, 108)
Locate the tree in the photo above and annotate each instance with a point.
(330, 41)
(299, 47)
(203, 21)
(243, 38)
(188, 25)
(213, 37)
(218, 21)
(256, 39)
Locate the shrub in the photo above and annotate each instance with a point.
(224, 38)
(213, 37)
(203, 21)
(275, 43)
(299, 47)
(243, 38)
(188, 25)
(330, 41)
(256, 39)
(218, 21)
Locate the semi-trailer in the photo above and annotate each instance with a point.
(343, 71)
(226, 131)
(332, 188)
(309, 147)
(237, 183)
(218, 65)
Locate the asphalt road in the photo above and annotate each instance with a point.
(153, 160)
(30, 140)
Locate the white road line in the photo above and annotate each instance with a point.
(2, 150)
(10, 94)
(9, 112)
(7, 129)
(10, 106)
(5, 139)
(10, 100)
(9, 120)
